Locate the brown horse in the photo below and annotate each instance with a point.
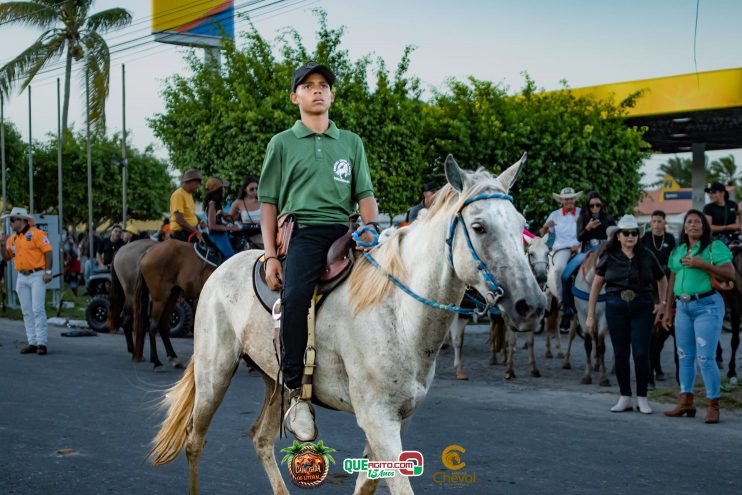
(124, 271)
(166, 271)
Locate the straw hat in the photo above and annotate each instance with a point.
(627, 222)
(567, 193)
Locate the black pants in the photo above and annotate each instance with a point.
(181, 235)
(630, 326)
(305, 260)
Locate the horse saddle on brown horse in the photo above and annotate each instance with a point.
(340, 259)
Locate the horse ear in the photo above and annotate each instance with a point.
(508, 177)
(454, 175)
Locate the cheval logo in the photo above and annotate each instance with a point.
(342, 171)
(308, 463)
(451, 459)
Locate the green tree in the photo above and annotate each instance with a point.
(577, 142)
(69, 29)
(725, 170)
(221, 122)
(149, 184)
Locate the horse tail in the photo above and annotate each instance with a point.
(179, 401)
(141, 316)
(115, 302)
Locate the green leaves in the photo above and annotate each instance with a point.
(221, 122)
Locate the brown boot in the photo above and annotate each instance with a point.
(685, 406)
(712, 411)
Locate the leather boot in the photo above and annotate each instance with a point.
(685, 406)
(712, 411)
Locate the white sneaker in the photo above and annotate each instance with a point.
(623, 404)
(643, 405)
(299, 418)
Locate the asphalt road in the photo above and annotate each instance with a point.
(79, 421)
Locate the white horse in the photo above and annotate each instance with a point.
(583, 282)
(554, 313)
(501, 337)
(375, 345)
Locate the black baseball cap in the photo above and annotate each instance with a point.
(431, 187)
(310, 68)
(714, 187)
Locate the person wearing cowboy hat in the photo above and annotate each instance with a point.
(629, 272)
(183, 219)
(562, 223)
(31, 252)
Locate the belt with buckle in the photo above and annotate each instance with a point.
(627, 295)
(695, 297)
(29, 272)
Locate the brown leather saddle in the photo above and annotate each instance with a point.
(340, 259)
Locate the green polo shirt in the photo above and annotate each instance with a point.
(694, 280)
(317, 177)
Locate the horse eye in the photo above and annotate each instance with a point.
(478, 228)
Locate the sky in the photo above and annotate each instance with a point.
(585, 42)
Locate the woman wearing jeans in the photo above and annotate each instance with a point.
(700, 311)
(629, 271)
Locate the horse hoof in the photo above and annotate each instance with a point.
(159, 369)
(548, 355)
(605, 382)
(137, 360)
(586, 380)
(493, 361)
(177, 364)
(567, 366)
(560, 355)
(509, 375)
(460, 375)
(536, 373)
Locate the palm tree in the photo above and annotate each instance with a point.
(725, 170)
(679, 169)
(67, 27)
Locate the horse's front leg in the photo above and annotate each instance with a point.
(457, 340)
(532, 356)
(511, 342)
(567, 365)
(154, 323)
(587, 378)
(383, 429)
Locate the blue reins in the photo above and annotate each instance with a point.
(495, 288)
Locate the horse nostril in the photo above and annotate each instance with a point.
(522, 307)
(540, 278)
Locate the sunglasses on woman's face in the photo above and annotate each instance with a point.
(596, 205)
(630, 233)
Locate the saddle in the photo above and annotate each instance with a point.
(340, 259)
(208, 253)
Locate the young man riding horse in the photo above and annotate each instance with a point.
(318, 173)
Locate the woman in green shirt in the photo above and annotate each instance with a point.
(700, 310)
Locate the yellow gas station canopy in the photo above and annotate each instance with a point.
(681, 110)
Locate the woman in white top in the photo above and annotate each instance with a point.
(247, 206)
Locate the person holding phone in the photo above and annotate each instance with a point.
(593, 222)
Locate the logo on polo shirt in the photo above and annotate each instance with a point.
(342, 171)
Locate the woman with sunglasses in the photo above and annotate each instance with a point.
(700, 311)
(247, 207)
(629, 271)
(593, 222)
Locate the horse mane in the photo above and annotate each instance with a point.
(368, 285)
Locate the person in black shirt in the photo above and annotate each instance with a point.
(660, 243)
(722, 213)
(629, 271)
(109, 247)
(429, 191)
(593, 222)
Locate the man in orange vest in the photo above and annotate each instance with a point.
(31, 252)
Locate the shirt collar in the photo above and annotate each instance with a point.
(302, 131)
(573, 212)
